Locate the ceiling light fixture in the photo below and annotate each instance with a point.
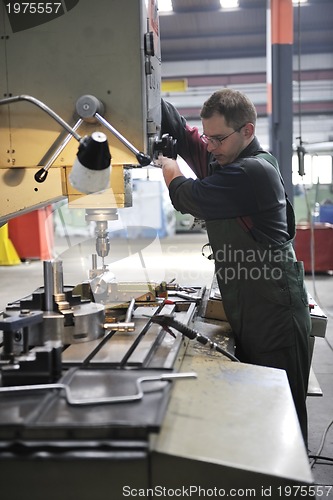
(165, 6)
(229, 4)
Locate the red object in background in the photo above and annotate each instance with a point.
(323, 246)
(32, 234)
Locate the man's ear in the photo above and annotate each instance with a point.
(248, 130)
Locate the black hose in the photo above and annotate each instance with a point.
(167, 320)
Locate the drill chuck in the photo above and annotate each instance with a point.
(102, 246)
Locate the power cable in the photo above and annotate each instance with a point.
(321, 457)
(300, 153)
(317, 456)
(300, 149)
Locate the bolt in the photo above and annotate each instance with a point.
(25, 312)
(17, 337)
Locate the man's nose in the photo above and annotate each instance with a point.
(211, 146)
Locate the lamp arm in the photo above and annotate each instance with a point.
(142, 158)
(88, 107)
(166, 145)
(41, 105)
(41, 175)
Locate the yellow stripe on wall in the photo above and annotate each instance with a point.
(174, 85)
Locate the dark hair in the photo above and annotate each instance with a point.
(236, 107)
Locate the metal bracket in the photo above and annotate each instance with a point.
(166, 377)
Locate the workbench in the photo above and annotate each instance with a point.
(226, 425)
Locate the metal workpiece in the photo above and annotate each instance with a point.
(100, 285)
(120, 326)
(140, 383)
(103, 287)
(123, 326)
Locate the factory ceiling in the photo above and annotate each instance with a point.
(211, 47)
(201, 29)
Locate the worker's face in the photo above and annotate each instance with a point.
(224, 142)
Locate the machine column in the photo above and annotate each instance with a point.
(279, 85)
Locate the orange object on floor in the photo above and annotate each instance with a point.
(32, 234)
(8, 254)
(323, 246)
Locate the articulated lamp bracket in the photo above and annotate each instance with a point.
(91, 168)
(93, 157)
(88, 108)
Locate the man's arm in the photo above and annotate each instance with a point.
(170, 169)
(180, 188)
(189, 144)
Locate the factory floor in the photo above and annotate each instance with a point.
(180, 258)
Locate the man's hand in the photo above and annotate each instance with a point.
(169, 167)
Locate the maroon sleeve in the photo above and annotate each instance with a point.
(189, 144)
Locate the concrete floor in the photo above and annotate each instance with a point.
(180, 258)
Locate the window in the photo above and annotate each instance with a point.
(318, 169)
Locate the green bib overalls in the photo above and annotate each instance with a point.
(265, 301)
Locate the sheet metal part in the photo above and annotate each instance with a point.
(167, 377)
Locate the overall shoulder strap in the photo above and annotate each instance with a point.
(271, 159)
(289, 208)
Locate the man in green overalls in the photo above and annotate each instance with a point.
(250, 223)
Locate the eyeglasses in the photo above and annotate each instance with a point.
(216, 141)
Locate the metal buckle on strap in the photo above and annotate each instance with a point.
(205, 253)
